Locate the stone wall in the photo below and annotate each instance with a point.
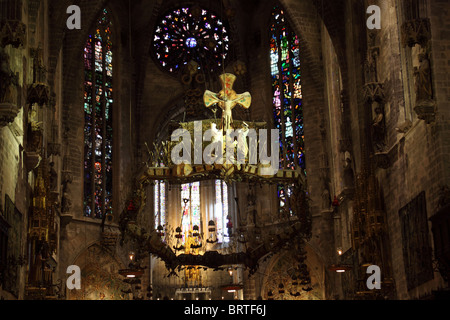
(420, 163)
(81, 232)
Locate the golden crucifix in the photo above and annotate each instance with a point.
(227, 99)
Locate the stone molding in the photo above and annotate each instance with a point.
(8, 112)
(12, 32)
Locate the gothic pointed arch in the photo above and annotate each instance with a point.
(100, 279)
(98, 122)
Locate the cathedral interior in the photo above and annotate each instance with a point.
(108, 199)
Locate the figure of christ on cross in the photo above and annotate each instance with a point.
(227, 99)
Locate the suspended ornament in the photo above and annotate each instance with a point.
(212, 232)
(197, 242)
(132, 211)
(196, 231)
(131, 256)
(179, 234)
(229, 226)
(335, 203)
(160, 231)
(131, 206)
(211, 226)
(180, 248)
(196, 246)
(242, 238)
(272, 242)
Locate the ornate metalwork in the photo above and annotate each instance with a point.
(291, 231)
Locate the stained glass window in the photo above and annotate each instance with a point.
(287, 98)
(191, 33)
(221, 211)
(160, 203)
(191, 207)
(284, 192)
(98, 131)
(287, 91)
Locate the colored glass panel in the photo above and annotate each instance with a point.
(98, 131)
(287, 90)
(287, 96)
(191, 210)
(160, 203)
(185, 220)
(221, 210)
(187, 34)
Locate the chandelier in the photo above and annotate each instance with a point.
(231, 159)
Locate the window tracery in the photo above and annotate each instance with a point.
(98, 129)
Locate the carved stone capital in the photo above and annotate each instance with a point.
(416, 31)
(385, 159)
(12, 32)
(54, 149)
(345, 145)
(425, 110)
(382, 160)
(38, 93)
(373, 92)
(32, 160)
(8, 112)
(66, 177)
(109, 239)
(34, 139)
(65, 219)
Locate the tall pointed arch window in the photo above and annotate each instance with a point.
(287, 90)
(221, 211)
(98, 129)
(160, 203)
(287, 97)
